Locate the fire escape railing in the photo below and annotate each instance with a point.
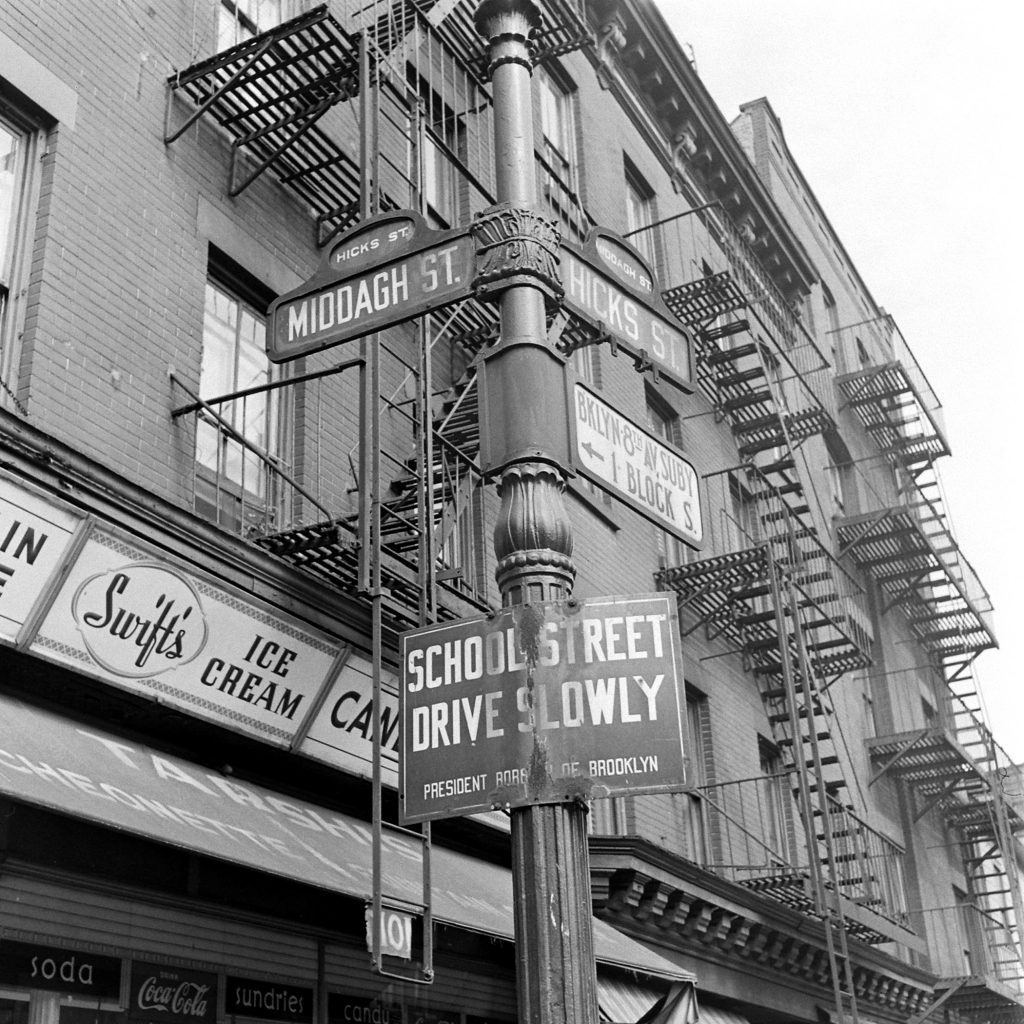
(755, 838)
(901, 537)
(690, 244)
(879, 378)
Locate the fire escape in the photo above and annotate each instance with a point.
(951, 766)
(772, 591)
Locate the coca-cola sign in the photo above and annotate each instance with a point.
(140, 619)
(172, 995)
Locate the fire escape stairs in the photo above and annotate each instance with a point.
(739, 595)
(331, 549)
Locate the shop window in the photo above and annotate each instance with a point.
(239, 20)
(20, 143)
(235, 481)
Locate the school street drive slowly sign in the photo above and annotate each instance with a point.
(634, 465)
(541, 704)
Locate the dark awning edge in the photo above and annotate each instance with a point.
(55, 762)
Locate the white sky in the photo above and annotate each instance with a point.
(905, 117)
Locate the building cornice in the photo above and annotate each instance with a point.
(638, 57)
(661, 898)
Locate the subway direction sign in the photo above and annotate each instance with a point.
(609, 283)
(541, 703)
(634, 465)
(388, 270)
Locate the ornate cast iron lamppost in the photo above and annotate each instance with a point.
(525, 438)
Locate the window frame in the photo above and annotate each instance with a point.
(244, 26)
(641, 211)
(236, 505)
(663, 421)
(555, 103)
(16, 247)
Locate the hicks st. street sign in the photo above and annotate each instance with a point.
(608, 283)
(393, 268)
(541, 704)
(640, 469)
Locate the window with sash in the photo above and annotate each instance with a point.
(238, 440)
(239, 20)
(20, 146)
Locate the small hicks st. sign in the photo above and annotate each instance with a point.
(541, 704)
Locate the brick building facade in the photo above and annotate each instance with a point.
(194, 647)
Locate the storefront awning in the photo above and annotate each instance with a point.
(621, 1000)
(56, 763)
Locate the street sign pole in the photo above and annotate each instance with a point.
(555, 973)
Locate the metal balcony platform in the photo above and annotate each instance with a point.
(892, 411)
(892, 546)
(268, 94)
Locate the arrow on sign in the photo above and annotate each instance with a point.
(592, 451)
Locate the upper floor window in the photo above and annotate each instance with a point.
(557, 125)
(19, 148)
(239, 20)
(640, 213)
(235, 484)
(664, 423)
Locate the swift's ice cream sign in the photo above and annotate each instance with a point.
(146, 625)
(140, 619)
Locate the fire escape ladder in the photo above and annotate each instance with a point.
(269, 95)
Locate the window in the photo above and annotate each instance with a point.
(239, 20)
(695, 762)
(558, 135)
(832, 325)
(640, 213)
(775, 803)
(438, 177)
(664, 423)
(234, 484)
(19, 150)
(559, 172)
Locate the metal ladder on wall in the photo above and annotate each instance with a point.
(415, 513)
(385, 959)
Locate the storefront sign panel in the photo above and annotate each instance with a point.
(144, 624)
(172, 995)
(346, 1009)
(635, 466)
(72, 971)
(34, 534)
(541, 704)
(341, 734)
(268, 1000)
